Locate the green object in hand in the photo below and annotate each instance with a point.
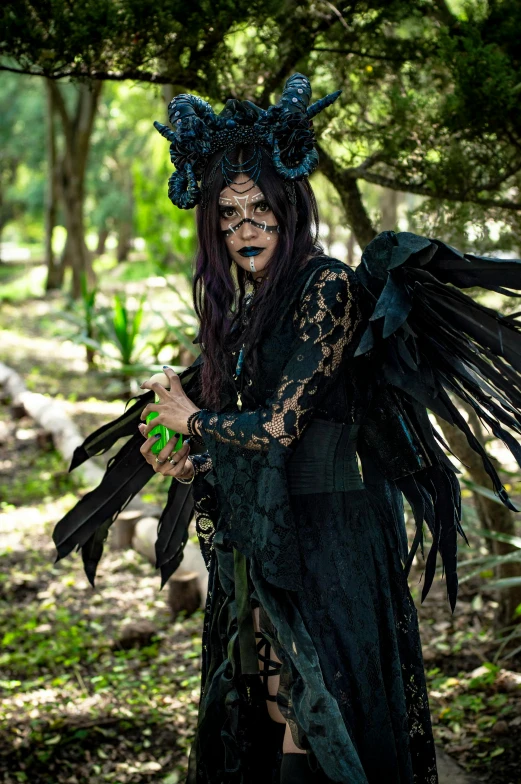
(162, 430)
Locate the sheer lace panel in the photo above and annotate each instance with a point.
(324, 324)
(205, 510)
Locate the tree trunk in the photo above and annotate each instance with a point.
(351, 249)
(77, 130)
(492, 515)
(124, 241)
(389, 201)
(347, 187)
(54, 265)
(103, 235)
(125, 225)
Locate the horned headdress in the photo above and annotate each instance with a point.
(285, 130)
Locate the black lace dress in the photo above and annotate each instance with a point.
(286, 522)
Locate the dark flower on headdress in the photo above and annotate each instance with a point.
(295, 137)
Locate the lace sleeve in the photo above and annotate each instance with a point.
(202, 463)
(325, 323)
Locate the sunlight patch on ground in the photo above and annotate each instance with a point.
(33, 346)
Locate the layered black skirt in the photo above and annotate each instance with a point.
(352, 683)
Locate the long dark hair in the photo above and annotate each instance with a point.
(219, 284)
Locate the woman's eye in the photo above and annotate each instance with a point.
(263, 206)
(228, 212)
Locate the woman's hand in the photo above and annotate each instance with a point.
(168, 463)
(174, 406)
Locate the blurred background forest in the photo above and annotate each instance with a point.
(95, 278)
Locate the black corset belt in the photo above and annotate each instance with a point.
(324, 460)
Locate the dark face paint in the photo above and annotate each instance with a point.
(229, 232)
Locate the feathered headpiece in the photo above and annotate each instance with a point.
(285, 130)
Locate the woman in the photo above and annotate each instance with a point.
(344, 675)
(312, 668)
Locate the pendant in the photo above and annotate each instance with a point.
(239, 401)
(239, 362)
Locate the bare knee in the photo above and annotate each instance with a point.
(288, 744)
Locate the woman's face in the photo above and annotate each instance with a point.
(248, 224)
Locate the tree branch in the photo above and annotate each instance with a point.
(423, 190)
(110, 76)
(369, 55)
(347, 188)
(300, 46)
(443, 13)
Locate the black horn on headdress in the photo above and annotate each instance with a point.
(293, 136)
(183, 190)
(193, 120)
(321, 104)
(296, 94)
(298, 172)
(185, 106)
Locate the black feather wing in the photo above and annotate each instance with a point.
(87, 524)
(426, 338)
(126, 474)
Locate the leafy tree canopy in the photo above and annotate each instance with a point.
(431, 88)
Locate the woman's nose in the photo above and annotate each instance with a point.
(247, 230)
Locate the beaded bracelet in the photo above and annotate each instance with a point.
(187, 481)
(190, 427)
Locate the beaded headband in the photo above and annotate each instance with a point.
(284, 130)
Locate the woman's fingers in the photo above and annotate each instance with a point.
(168, 450)
(160, 391)
(146, 447)
(180, 467)
(151, 407)
(175, 381)
(148, 427)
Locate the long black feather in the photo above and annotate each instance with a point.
(102, 439)
(173, 529)
(125, 476)
(92, 550)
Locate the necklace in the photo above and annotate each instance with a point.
(238, 368)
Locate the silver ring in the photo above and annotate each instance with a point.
(172, 461)
(160, 462)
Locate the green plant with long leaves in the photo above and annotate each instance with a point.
(87, 320)
(121, 328)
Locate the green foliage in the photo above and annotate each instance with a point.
(169, 232)
(72, 699)
(470, 700)
(429, 106)
(51, 642)
(122, 328)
